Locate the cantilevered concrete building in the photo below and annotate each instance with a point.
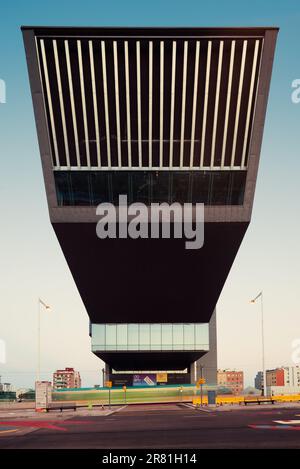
(161, 115)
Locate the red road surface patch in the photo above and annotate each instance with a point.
(49, 424)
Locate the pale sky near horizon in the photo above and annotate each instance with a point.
(31, 261)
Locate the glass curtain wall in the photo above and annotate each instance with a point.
(141, 337)
(94, 187)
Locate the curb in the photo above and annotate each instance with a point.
(192, 406)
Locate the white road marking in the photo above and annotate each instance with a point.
(287, 422)
(115, 411)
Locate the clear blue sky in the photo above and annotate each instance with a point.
(31, 262)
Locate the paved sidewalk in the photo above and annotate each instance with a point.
(65, 414)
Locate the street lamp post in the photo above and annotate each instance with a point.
(40, 302)
(260, 295)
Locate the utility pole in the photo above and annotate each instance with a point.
(40, 302)
(201, 385)
(260, 295)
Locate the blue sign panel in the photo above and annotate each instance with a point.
(144, 380)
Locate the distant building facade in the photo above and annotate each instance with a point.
(66, 379)
(259, 380)
(284, 380)
(233, 380)
(275, 377)
(6, 387)
(292, 376)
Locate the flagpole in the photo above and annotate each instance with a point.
(39, 342)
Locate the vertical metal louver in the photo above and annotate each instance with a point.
(150, 103)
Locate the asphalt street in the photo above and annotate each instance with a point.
(159, 426)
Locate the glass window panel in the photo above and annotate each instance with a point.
(133, 335)
(167, 336)
(180, 186)
(160, 184)
(99, 185)
(189, 347)
(111, 347)
(80, 187)
(144, 336)
(98, 334)
(238, 187)
(220, 188)
(167, 347)
(144, 347)
(63, 188)
(120, 185)
(200, 187)
(141, 186)
(155, 335)
(122, 334)
(177, 346)
(111, 335)
(122, 347)
(178, 336)
(155, 347)
(189, 334)
(202, 334)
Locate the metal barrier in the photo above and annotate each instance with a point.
(221, 400)
(155, 394)
(132, 395)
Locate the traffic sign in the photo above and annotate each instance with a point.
(108, 384)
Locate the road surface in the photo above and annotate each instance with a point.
(158, 426)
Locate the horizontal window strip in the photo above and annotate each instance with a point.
(90, 188)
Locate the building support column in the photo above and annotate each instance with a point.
(206, 366)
